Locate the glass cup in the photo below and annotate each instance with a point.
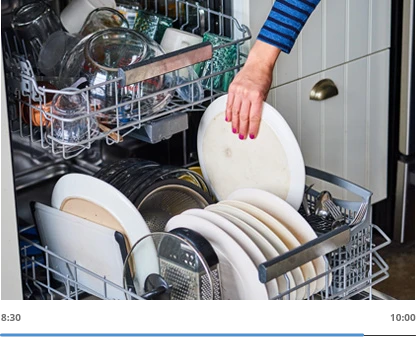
(101, 19)
(53, 52)
(71, 122)
(33, 23)
(222, 59)
(152, 25)
(99, 57)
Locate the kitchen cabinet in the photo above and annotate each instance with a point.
(345, 135)
(348, 42)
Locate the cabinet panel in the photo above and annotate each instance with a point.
(337, 32)
(347, 134)
(358, 12)
(380, 24)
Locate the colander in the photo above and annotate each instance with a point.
(167, 198)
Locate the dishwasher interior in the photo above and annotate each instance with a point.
(165, 134)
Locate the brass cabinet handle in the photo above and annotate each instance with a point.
(322, 90)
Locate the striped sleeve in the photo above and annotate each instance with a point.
(285, 21)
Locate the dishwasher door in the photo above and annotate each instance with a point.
(11, 285)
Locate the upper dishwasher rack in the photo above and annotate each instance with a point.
(25, 92)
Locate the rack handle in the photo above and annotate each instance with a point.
(165, 63)
(309, 251)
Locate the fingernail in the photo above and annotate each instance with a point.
(226, 119)
(234, 130)
(251, 136)
(241, 137)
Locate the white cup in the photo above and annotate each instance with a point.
(175, 39)
(73, 16)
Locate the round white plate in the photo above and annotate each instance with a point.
(288, 216)
(82, 186)
(239, 275)
(243, 221)
(241, 238)
(279, 236)
(272, 162)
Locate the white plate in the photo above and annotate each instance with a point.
(278, 235)
(288, 216)
(244, 221)
(94, 190)
(241, 238)
(273, 161)
(92, 246)
(238, 274)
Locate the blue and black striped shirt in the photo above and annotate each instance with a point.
(285, 21)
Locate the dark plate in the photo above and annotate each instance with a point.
(108, 170)
(156, 175)
(179, 182)
(136, 179)
(123, 176)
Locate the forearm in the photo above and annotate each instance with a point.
(263, 54)
(285, 22)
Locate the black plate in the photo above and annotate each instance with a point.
(136, 179)
(108, 170)
(123, 176)
(145, 192)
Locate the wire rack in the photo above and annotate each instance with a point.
(355, 266)
(24, 92)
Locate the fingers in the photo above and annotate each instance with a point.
(229, 107)
(235, 117)
(255, 118)
(244, 119)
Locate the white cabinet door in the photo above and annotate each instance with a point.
(347, 134)
(337, 32)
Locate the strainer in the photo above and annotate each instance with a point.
(167, 198)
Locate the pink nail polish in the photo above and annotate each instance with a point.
(234, 130)
(226, 119)
(251, 136)
(241, 137)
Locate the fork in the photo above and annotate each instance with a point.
(335, 213)
(359, 216)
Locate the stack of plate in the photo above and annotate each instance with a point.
(259, 184)
(159, 192)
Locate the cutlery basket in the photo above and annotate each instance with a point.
(353, 258)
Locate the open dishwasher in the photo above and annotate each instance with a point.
(166, 135)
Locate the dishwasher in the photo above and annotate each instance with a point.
(168, 136)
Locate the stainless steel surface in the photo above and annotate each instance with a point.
(162, 128)
(165, 64)
(166, 201)
(402, 177)
(320, 207)
(361, 214)
(323, 90)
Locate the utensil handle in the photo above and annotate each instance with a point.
(165, 63)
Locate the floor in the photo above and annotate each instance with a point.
(401, 260)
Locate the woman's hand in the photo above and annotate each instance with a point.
(249, 90)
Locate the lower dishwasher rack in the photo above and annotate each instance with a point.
(352, 259)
